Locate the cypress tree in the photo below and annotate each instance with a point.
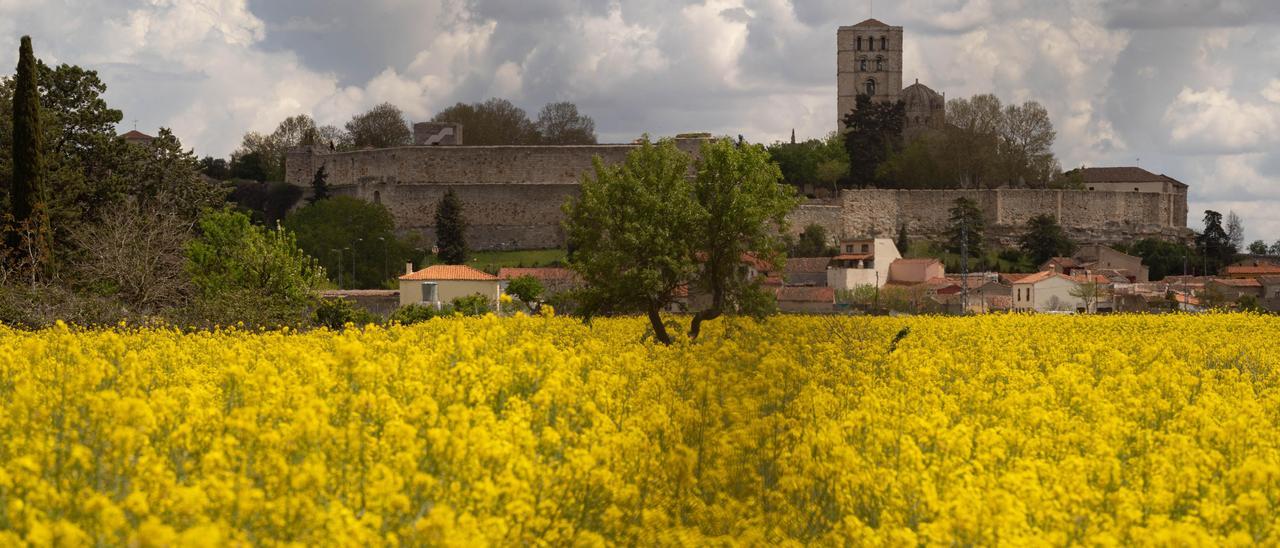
(319, 186)
(450, 230)
(25, 193)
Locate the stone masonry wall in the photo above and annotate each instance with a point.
(511, 195)
(1087, 216)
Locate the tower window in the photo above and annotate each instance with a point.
(871, 44)
(862, 65)
(884, 43)
(879, 64)
(859, 43)
(871, 88)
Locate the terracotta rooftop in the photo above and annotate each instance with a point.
(1269, 280)
(808, 264)
(135, 134)
(1263, 270)
(449, 272)
(1131, 174)
(1238, 282)
(1036, 278)
(917, 261)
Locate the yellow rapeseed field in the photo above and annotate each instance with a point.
(1013, 430)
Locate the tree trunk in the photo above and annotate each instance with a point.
(659, 328)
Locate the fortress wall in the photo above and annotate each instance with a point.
(460, 164)
(1087, 216)
(525, 216)
(512, 198)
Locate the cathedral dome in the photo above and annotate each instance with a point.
(918, 94)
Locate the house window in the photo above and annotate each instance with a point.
(884, 43)
(866, 248)
(848, 249)
(430, 292)
(870, 263)
(871, 88)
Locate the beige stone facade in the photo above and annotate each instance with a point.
(868, 61)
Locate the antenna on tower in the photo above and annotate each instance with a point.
(871, 9)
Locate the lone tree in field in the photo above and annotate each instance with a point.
(647, 234)
(1045, 240)
(451, 230)
(319, 186)
(28, 235)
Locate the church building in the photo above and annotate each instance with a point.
(869, 62)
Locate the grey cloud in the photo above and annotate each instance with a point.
(1149, 14)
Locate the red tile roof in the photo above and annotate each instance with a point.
(1036, 278)
(1238, 282)
(450, 272)
(1122, 175)
(1263, 270)
(135, 134)
(853, 257)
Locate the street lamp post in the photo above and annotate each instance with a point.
(339, 264)
(384, 254)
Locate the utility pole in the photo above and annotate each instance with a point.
(964, 265)
(339, 264)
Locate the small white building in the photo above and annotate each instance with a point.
(438, 285)
(862, 263)
(1050, 291)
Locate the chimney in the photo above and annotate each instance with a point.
(408, 268)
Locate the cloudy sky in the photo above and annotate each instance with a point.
(1189, 88)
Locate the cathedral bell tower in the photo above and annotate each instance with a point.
(868, 61)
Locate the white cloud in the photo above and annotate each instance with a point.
(1212, 121)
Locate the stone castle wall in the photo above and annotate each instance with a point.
(511, 195)
(1086, 216)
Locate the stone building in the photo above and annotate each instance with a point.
(869, 62)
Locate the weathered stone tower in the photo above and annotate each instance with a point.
(868, 61)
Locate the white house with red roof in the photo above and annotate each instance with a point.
(438, 285)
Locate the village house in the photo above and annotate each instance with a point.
(806, 299)
(438, 285)
(862, 263)
(807, 271)
(1049, 291)
(1099, 258)
(1234, 289)
(554, 280)
(1250, 271)
(915, 271)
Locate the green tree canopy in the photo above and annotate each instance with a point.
(644, 231)
(28, 236)
(965, 219)
(1163, 258)
(874, 134)
(451, 230)
(341, 228)
(812, 243)
(822, 162)
(527, 290)
(562, 124)
(382, 126)
(1044, 240)
(1213, 245)
(234, 262)
(493, 122)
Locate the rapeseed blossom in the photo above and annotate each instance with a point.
(503, 431)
